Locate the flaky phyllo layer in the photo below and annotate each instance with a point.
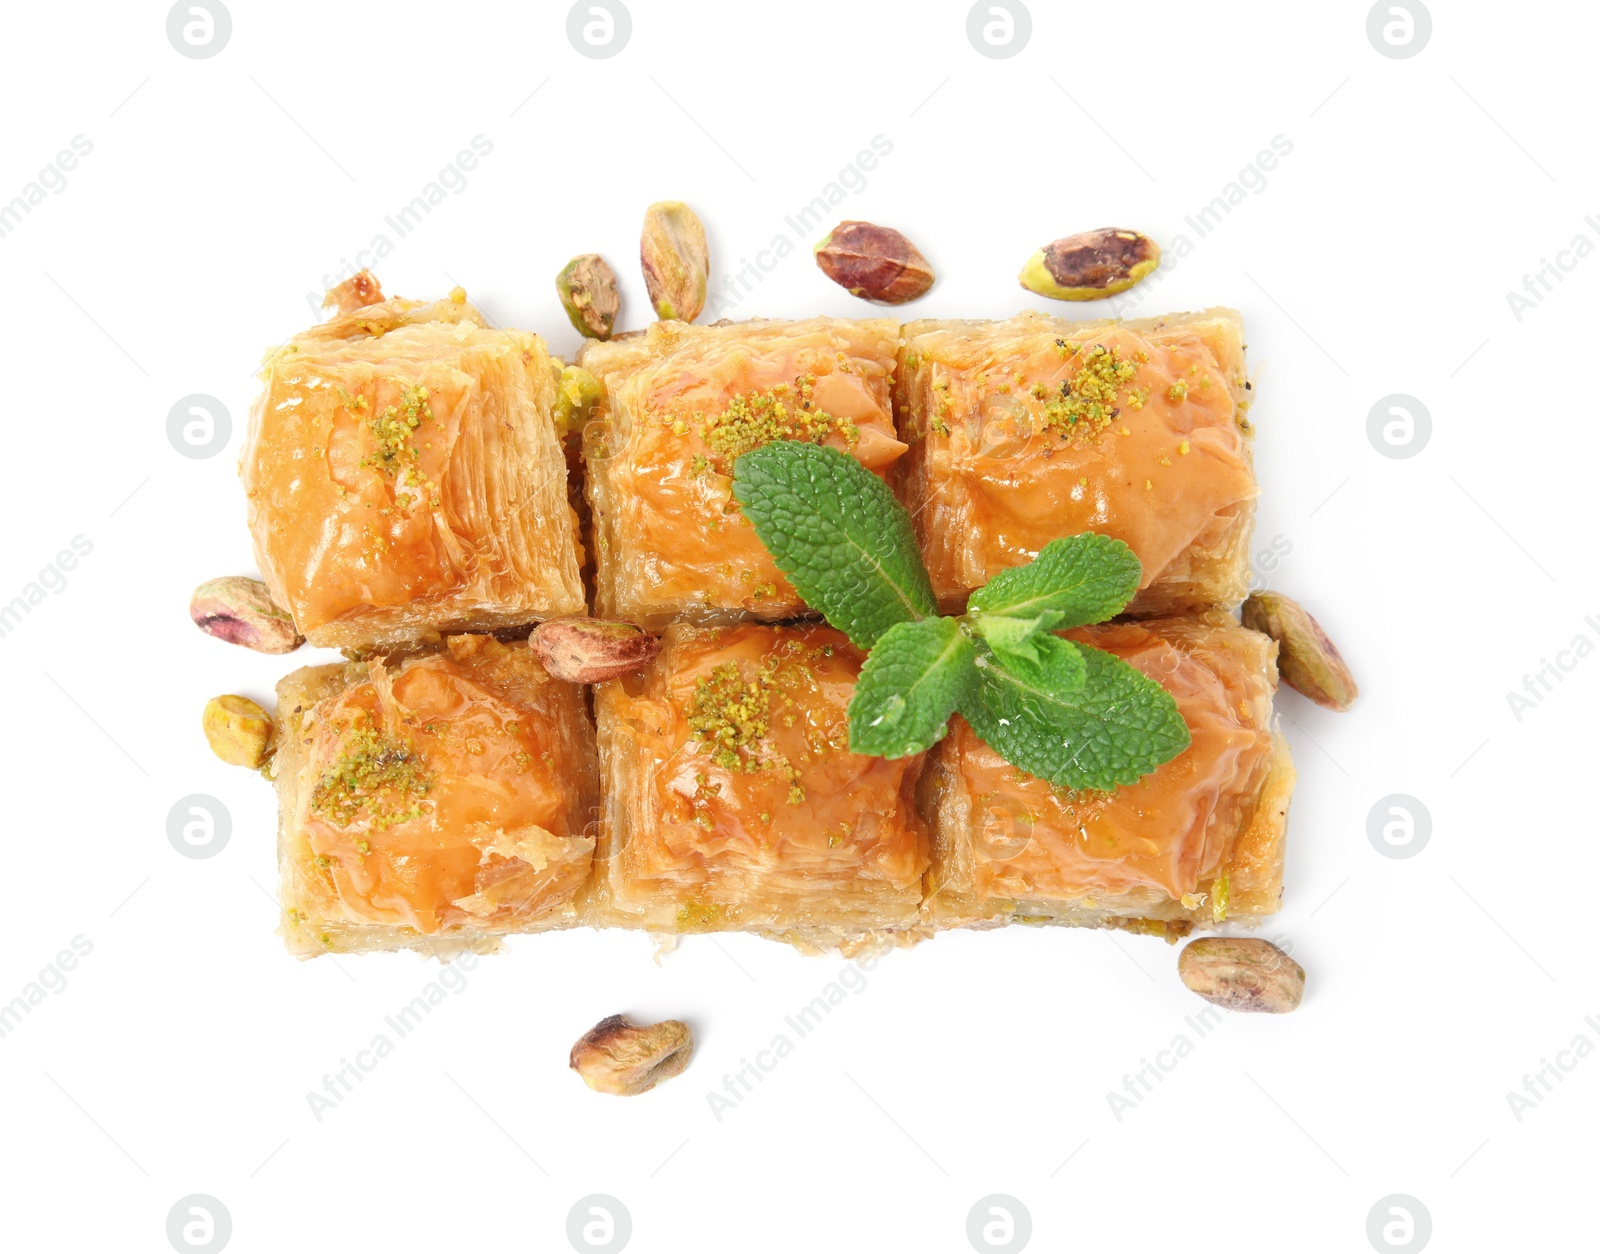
(679, 404)
(732, 798)
(443, 794)
(405, 477)
(1027, 430)
(1197, 840)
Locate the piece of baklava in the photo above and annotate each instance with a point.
(432, 802)
(679, 404)
(732, 800)
(405, 478)
(1027, 430)
(1197, 841)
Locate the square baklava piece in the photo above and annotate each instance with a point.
(732, 800)
(1035, 428)
(435, 801)
(1196, 842)
(405, 478)
(678, 404)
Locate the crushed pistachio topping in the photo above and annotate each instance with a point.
(1177, 391)
(782, 412)
(729, 717)
(377, 778)
(394, 454)
(1087, 401)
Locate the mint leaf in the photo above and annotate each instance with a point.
(910, 686)
(1087, 578)
(1006, 635)
(1048, 662)
(1117, 727)
(834, 528)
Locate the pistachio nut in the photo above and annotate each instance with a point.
(617, 1057)
(240, 611)
(588, 290)
(1307, 660)
(592, 650)
(875, 263)
(238, 730)
(1242, 973)
(672, 252)
(1091, 265)
(577, 396)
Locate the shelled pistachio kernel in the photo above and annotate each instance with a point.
(238, 730)
(874, 262)
(676, 264)
(1242, 973)
(1308, 660)
(240, 611)
(625, 1060)
(1090, 265)
(588, 290)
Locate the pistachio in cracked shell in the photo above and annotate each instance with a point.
(1242, 973)
(240, 611)
(588, 290)
(624, 1059)
(676, 264)
(876, 263)
(592, 650)
(1308, 661)
(1091, 265)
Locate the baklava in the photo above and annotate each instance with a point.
(405, 478)
(1034, 428)
(434, 801)
(1196, 842)
(678, 404)
(733, 802)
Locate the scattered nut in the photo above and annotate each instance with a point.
(1308, 661)
(577, 394)
(616, 1057)
(241, 611)
(1090, 265)
(591, 650)
(588, 290)
(357, 292)
(672, 251)
(238, 730)
(1242, 973)
(874, 263)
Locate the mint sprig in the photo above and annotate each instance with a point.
(1068, 713)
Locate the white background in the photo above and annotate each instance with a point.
(1376, 260)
